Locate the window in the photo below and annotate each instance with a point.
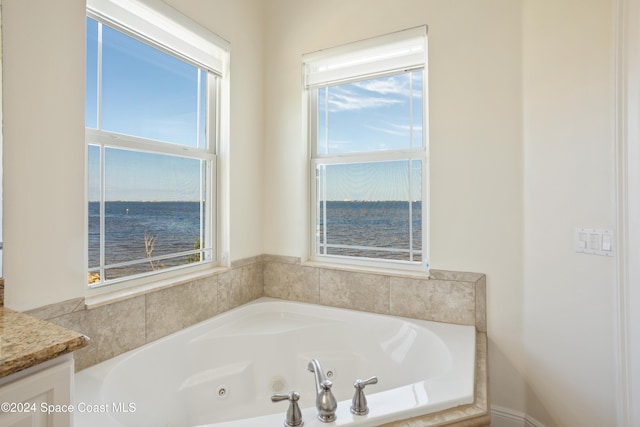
(153, 118)
(368, 145)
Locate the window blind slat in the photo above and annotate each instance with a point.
(397, 51)
(157, 21)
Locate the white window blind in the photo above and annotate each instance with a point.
(157, 21)
(377, 56)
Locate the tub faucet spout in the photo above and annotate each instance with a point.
(325, 401)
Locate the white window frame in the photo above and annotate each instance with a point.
(381, 56)
(155, 23)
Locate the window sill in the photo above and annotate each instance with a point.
(103, 296)
(414, 273)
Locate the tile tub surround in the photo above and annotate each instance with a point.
(26, 341)
(442, 296)
(127, 323)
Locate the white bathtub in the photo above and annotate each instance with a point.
(222, 372)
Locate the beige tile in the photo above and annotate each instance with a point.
(481, 304)
(229, 289)
(357, 291)
(253, 281)
(457, 276)
(291, 281)
(58, 309)
(73, 321)
(70, 321)
(247, 261)
(172, 309)
(439, 300)
(112, 329)
(281, 259)
(239, 286)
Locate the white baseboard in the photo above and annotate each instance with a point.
(505, 417)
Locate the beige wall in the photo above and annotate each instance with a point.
(43, 107)
(569, 140)
(522, 151)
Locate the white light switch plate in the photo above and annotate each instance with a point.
(595, 241)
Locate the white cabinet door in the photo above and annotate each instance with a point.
(40, 399)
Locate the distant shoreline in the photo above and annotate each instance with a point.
(148, 201)
(200, 201)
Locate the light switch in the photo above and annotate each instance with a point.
(581, 241)
(594, 241)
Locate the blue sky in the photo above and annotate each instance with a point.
(150, 94)
(372, 115)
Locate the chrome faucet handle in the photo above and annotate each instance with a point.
(359, 402)
(326, 403)
(294, 416)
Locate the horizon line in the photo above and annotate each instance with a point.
(202, 201)
(149, 201)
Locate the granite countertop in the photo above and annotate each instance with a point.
(26, 341)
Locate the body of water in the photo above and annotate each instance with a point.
(172, 227)
(382, 229)
(359, 229)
